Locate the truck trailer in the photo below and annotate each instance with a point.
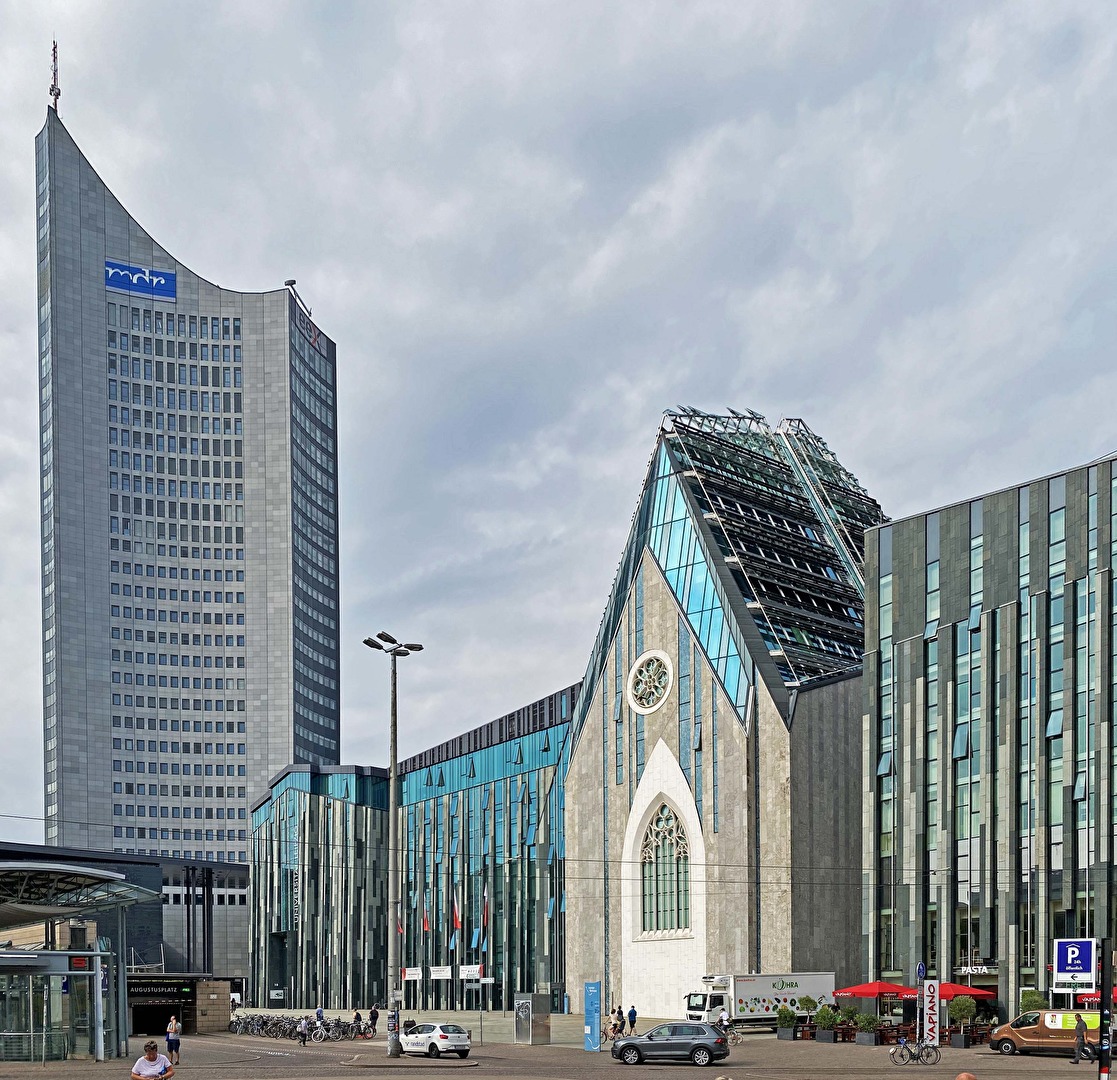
(755, 999)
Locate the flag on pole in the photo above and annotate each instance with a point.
(426, 919)
(457, 913)
(485, 905)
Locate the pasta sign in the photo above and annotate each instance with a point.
(931, 1004)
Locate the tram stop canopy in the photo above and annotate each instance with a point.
(33, 892)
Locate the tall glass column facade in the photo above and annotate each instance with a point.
(485, 849)
(992, 628)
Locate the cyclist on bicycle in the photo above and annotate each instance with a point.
(723, 1022)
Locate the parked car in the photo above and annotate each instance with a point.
(677, 1041)
(435, 1040)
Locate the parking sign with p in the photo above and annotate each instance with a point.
(1075, 964)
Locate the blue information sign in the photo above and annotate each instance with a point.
(920, 971)
(592, 997)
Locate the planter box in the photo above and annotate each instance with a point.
(825, 1035)
(785, 1033)
(867, 1038)
(960, 1042)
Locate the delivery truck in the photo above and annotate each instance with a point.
(755, 999)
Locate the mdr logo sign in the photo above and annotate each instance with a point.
(1076, 961)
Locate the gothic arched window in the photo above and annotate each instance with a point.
(666, 873)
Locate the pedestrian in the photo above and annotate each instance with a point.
(632, 1019)
(174, 1044)
(1079, 1039)
(357, 1023)
(303, 1028)
(152, 1063)
(373, 1016)
(319, 1014)
(618, 1021)
(965, 1076)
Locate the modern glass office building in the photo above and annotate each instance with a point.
(714, 788)
(485, 844)
(320, 888)
(189, 532)
(482, 872)
(989, 696)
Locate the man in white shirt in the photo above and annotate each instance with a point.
(152, 1063)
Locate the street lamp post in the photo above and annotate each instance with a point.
(384, 642)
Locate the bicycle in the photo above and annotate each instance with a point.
(734, 1035)
(609, 1033)
(922, 1052)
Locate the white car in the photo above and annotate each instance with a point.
(435, 1040)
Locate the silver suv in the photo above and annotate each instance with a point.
(678, 1041)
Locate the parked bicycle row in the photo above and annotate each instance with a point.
(302, 1029)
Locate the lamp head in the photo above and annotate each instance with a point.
(372, 643)
(386, 637)
(413, 646)
(400, 650)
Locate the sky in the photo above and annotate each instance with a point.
(533, 227)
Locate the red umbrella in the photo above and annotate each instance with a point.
(949, 990)
(1094, 997)
(872, 990)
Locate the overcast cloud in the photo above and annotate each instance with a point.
(533, 227)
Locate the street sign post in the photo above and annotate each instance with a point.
(920, 971)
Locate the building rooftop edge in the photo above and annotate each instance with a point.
(1111, 456)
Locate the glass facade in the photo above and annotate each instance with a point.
(482, 882)
(993, 711)
(485, 849)
(189, 633)
(319, 889)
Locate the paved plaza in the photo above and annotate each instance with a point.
(761, 1056)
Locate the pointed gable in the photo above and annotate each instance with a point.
(759, 533)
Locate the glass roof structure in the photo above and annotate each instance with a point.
(759, 532)
(32, 892)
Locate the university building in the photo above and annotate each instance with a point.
(693, 805)
(482, 883)
(189, 533)
(989, 735)
(714, 787)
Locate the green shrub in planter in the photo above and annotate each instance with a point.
(808, 1004)
(849, 1013)
(1032, 999)
(962, 1009)
(868, 1027)
(825, 1018)
(785, 1017)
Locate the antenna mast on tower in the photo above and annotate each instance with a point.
(55, 89)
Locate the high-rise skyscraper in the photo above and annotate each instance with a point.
(189, 532)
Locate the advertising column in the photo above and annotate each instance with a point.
(931, 1004)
